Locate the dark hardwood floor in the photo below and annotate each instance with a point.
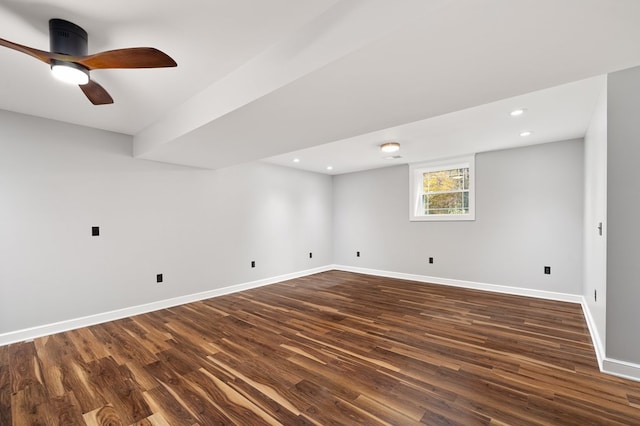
(332, 348)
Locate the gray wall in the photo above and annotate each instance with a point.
(623, 207)
(199, 228)
(529, 213)
(595, 212)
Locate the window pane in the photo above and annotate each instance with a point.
(446, 180)
(446, 203)
(443, 189)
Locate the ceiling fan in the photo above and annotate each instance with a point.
(70, 62)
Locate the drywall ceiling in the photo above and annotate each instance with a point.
(550, 115)
(271, 79)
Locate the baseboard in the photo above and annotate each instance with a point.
(58, 327)
(615, 367)
(595, 336)
(517, 291)
(624, 369)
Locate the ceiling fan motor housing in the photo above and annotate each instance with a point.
(67, 38)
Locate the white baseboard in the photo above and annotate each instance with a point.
(624, 369)
(595, 336)
(58, 327)
(611, 366)
(615, 367)
(517, 291)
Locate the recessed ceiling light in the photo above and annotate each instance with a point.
(526, 133)
(517, 112)
(296, 160)
(390, 147)
(329, 167)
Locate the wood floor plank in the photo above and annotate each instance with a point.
(31, 406)
(5, 387)
(67, 410)
(24, 366)
(113, 382)
(330, 348)
(233, 403)
(162, 402)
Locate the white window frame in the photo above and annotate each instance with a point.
(416, 172)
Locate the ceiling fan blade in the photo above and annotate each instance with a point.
(42, 55)
(135, 57)
(96, 93)
(45, 57)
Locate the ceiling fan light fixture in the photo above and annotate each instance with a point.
(70, 62)
(70, 73)
(390, 147)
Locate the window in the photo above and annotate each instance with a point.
(443, 190)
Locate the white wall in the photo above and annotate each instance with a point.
(595, 212)
(199, 228)
(529, 213)
(623, 207)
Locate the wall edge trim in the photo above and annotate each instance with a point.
(624, 369)
(74, 323)
(495, 288)
(614, 367)
(593, 331)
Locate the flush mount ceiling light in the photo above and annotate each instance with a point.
(390, 147)
(517, 112)
(526, 133)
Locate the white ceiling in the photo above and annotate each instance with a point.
(555, 114)
(327, 81)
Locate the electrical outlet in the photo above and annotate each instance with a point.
(159, 278)
(95, 231)
(431, 260)
(357, 254)
(547, 270)
(253, 263)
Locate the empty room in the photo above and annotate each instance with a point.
(319, 212)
